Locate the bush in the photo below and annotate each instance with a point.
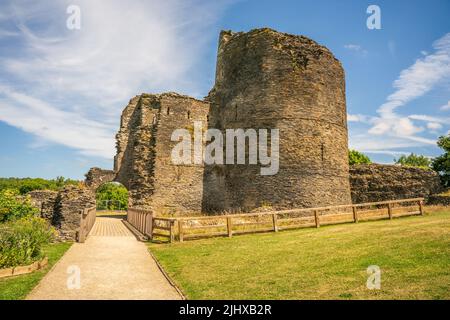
(13, 206)
(21, 241)
(414, 160)
(441, 164)
(356, 157)
(25, 185)
(112, 196)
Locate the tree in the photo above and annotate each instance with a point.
(112, 196)
(441, 164)
(414, 160)
(25, 185)
(356, 157)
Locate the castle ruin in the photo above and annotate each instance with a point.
(264, 80)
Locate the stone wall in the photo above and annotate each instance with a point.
(96, 177)
(144, 145)
(377, 182)
(264, 80)
(45, 201)
(439, 199)
(70, 203)
(267, 79)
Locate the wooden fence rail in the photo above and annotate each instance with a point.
(87, 220)
(185, 228)
(142, 220)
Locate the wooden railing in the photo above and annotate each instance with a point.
(186, 228)
(164, 227)
(87, 221)
(141, 220)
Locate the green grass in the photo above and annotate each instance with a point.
(326, 263)
(17, 288)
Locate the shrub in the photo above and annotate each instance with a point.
(25, 185)
(112, 196)
(414, 160)
(441, 164)
(356, 157)
(21, 241)
(13, 206)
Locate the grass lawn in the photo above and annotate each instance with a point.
(17, 288)
(326, 263)
(108, 213)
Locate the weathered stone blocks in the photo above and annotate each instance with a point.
(378, 182)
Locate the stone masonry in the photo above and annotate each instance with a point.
(69, 204)
(143, 161)
(378, 182)
(264, 80)
(45, 201)
(267, 79)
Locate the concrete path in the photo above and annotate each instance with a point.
(112, 264)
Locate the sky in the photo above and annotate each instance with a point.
(63, 88)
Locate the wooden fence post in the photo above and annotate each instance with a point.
(229, 227)
(180, 230)
(81, 233)
(274, 219)
(421, 207)
(171, 222)
(316, 217)
(355, 215)
(153, 227)
(390, 210)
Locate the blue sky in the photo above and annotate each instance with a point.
(62, 91)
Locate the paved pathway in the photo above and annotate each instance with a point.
(112, 265)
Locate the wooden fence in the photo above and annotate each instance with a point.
(87, 221)
(186, 228)
(141, 220)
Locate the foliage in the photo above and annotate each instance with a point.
(414, 160)
(25, 185)
(441, 164)
(15, 288)
(356, 157)
(112, 196)
(21, 241)
(13, 206)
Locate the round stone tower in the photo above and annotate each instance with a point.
(266, 79)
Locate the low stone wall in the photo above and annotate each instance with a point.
(377, 182)
(70, 202)
(439, 199)
(45, 201)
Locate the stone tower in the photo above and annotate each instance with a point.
(267, 79)
(264, 80)
(143, 161)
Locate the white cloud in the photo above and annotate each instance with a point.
(84, 78)
(422, 117)
(434, 126)
(446, 107)
(420, 78)
(417, 80)
(51, 124)
(356, 48)
(357, 118)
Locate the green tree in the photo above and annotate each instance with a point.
(25, 185)
(414, 160)
(441, 164)
(112, 196)
(356, 157)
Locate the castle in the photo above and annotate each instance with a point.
(264, 80)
